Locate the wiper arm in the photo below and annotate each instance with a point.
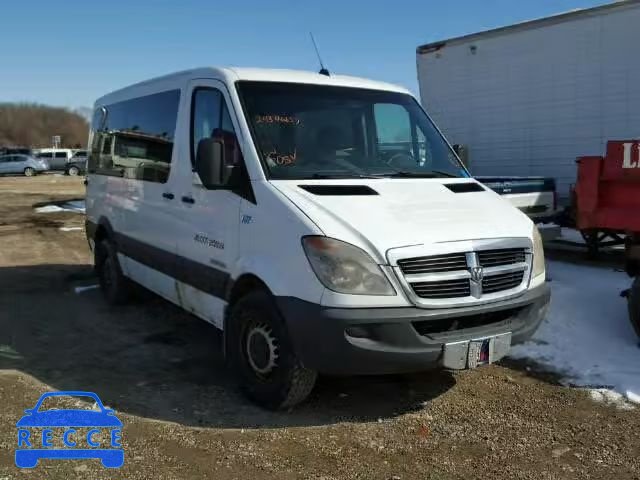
(322, 176)
(432, 174)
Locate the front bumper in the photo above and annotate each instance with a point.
(361, 341)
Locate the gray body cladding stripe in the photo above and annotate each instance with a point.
(206, 278)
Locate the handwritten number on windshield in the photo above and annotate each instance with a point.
(283, 160)
(281, 119)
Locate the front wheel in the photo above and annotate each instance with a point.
(29, 172)
(73, 171)
(260, 352)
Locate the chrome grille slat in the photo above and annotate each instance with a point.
(494, 258)
(436, 258)
(444, 289)
(434, 264)
(498, 283)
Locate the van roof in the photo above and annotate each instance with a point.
(233, 74)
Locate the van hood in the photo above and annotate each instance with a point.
(383, 214)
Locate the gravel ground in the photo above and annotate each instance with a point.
(162, 371)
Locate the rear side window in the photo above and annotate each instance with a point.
(45, 155)
(134, 139)
(61, 154)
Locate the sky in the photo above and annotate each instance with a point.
(70, 52)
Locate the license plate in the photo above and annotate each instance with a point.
(477, 352)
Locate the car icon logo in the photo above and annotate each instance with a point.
(31, 447)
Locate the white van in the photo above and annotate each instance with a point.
(322, 222)
(57, 157)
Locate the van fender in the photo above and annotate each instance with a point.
(266, 269)
(280, 278)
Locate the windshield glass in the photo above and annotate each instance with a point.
(312, 131)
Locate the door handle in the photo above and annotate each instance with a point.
(189, 200)
(168, 195)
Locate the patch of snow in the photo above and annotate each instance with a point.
(70, 229)
(79, 290)
(74, 206)
(610, 397)
(587, 336)
(49, 209)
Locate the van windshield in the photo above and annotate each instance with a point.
(311, 131)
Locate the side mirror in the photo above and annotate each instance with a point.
(209, 162)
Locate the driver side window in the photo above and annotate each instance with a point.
(398, 137)
(211, 119)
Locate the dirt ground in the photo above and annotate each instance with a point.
(163, 373)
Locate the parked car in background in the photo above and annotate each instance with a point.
(57, 157)
(79, 155)
(76, 167)
(22, 164)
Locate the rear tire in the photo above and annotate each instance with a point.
(261, 354)
(116, 288)
(633, 299)
(29, 172)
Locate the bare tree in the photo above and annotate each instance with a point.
(33, 125)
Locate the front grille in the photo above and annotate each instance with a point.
(496, 258)
(442, 289)
(436, 263)
(501, 282)
(428, 327)
(437, 278)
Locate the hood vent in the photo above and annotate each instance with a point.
(464, 187)
(339, 190)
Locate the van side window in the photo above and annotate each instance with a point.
(134, 139)
(211, 119)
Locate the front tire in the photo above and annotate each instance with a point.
(73, 171)
(115, 286)
(261, 354)
(29, 172)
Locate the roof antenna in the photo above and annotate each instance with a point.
(323, 71)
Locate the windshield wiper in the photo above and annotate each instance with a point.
(432, 174)
(322, 176)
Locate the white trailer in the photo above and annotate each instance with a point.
(528, 99)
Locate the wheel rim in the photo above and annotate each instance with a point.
(28, 172)
(261, 349)
(73, 171)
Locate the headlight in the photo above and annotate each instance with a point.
(344, 268)
(538, 253)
